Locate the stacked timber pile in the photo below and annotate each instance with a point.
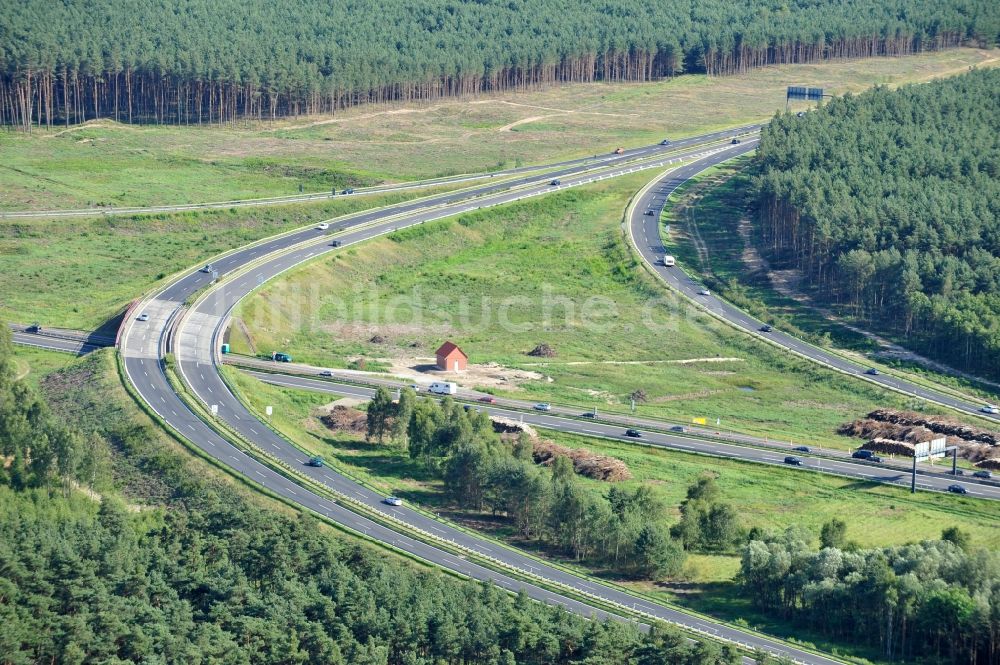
(866, 428)
(937, 424)
(585, 463)
(889, 447)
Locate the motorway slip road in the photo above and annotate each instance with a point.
(645, 231)
(195, 346)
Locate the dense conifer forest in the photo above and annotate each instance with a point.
(194, 61)
(889, 202)
(115, 548)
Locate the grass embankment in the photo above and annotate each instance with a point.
(557, 271)
(108, 164)
(767, 497)
(711, 234)
(79, 274)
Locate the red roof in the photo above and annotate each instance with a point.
(447, 349)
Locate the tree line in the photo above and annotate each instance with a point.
(889, 202)
(202, 574)
(222, 61)
(622, 530)
(933, 601)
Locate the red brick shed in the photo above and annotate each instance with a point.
(450, 358)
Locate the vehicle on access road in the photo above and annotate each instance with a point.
(704, 292)
(985, 475)
(634, 433)
(443, 388)
(801, 449)
(393, 501)
(871, 371)
(488, 399)
(282, 358)
(794, 461)
(957, 489)
(316, 462)
(142, 317)
(766, 328)
(990, 409)
(543, 406)
(322, 226)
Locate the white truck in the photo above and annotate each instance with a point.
(443, 388)
(668, 261)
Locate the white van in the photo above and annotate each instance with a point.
(443, 388)
(668, 261)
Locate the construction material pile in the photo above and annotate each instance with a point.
(895, 432)
(503, 426)
(874, 429)
(936, 424)
(889, 447)
(344, 419)
(585, 463)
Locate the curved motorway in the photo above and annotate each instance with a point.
(645, 232)
(195, 343)
(195, 333)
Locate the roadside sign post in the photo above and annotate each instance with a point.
(268, 410)
(926, 450)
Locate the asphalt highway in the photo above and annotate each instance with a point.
(196, 333)
(52, 343)
(594, 161)
(645, 231)
(862, 471)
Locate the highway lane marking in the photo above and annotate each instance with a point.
(259, 473)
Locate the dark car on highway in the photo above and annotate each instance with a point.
(866, 455)
(634, 433)
(766, 328)
(957, 489)
(801, 449)
(555, 182)
(282, 358)
(315, 461)
(795, 461)
(871, 371)
(986, 475)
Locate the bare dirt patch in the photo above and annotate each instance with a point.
(345, 419)
(485, 375)
(585, 463)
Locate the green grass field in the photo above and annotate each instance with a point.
(110, 164)
(557, 271)
(81, 273)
